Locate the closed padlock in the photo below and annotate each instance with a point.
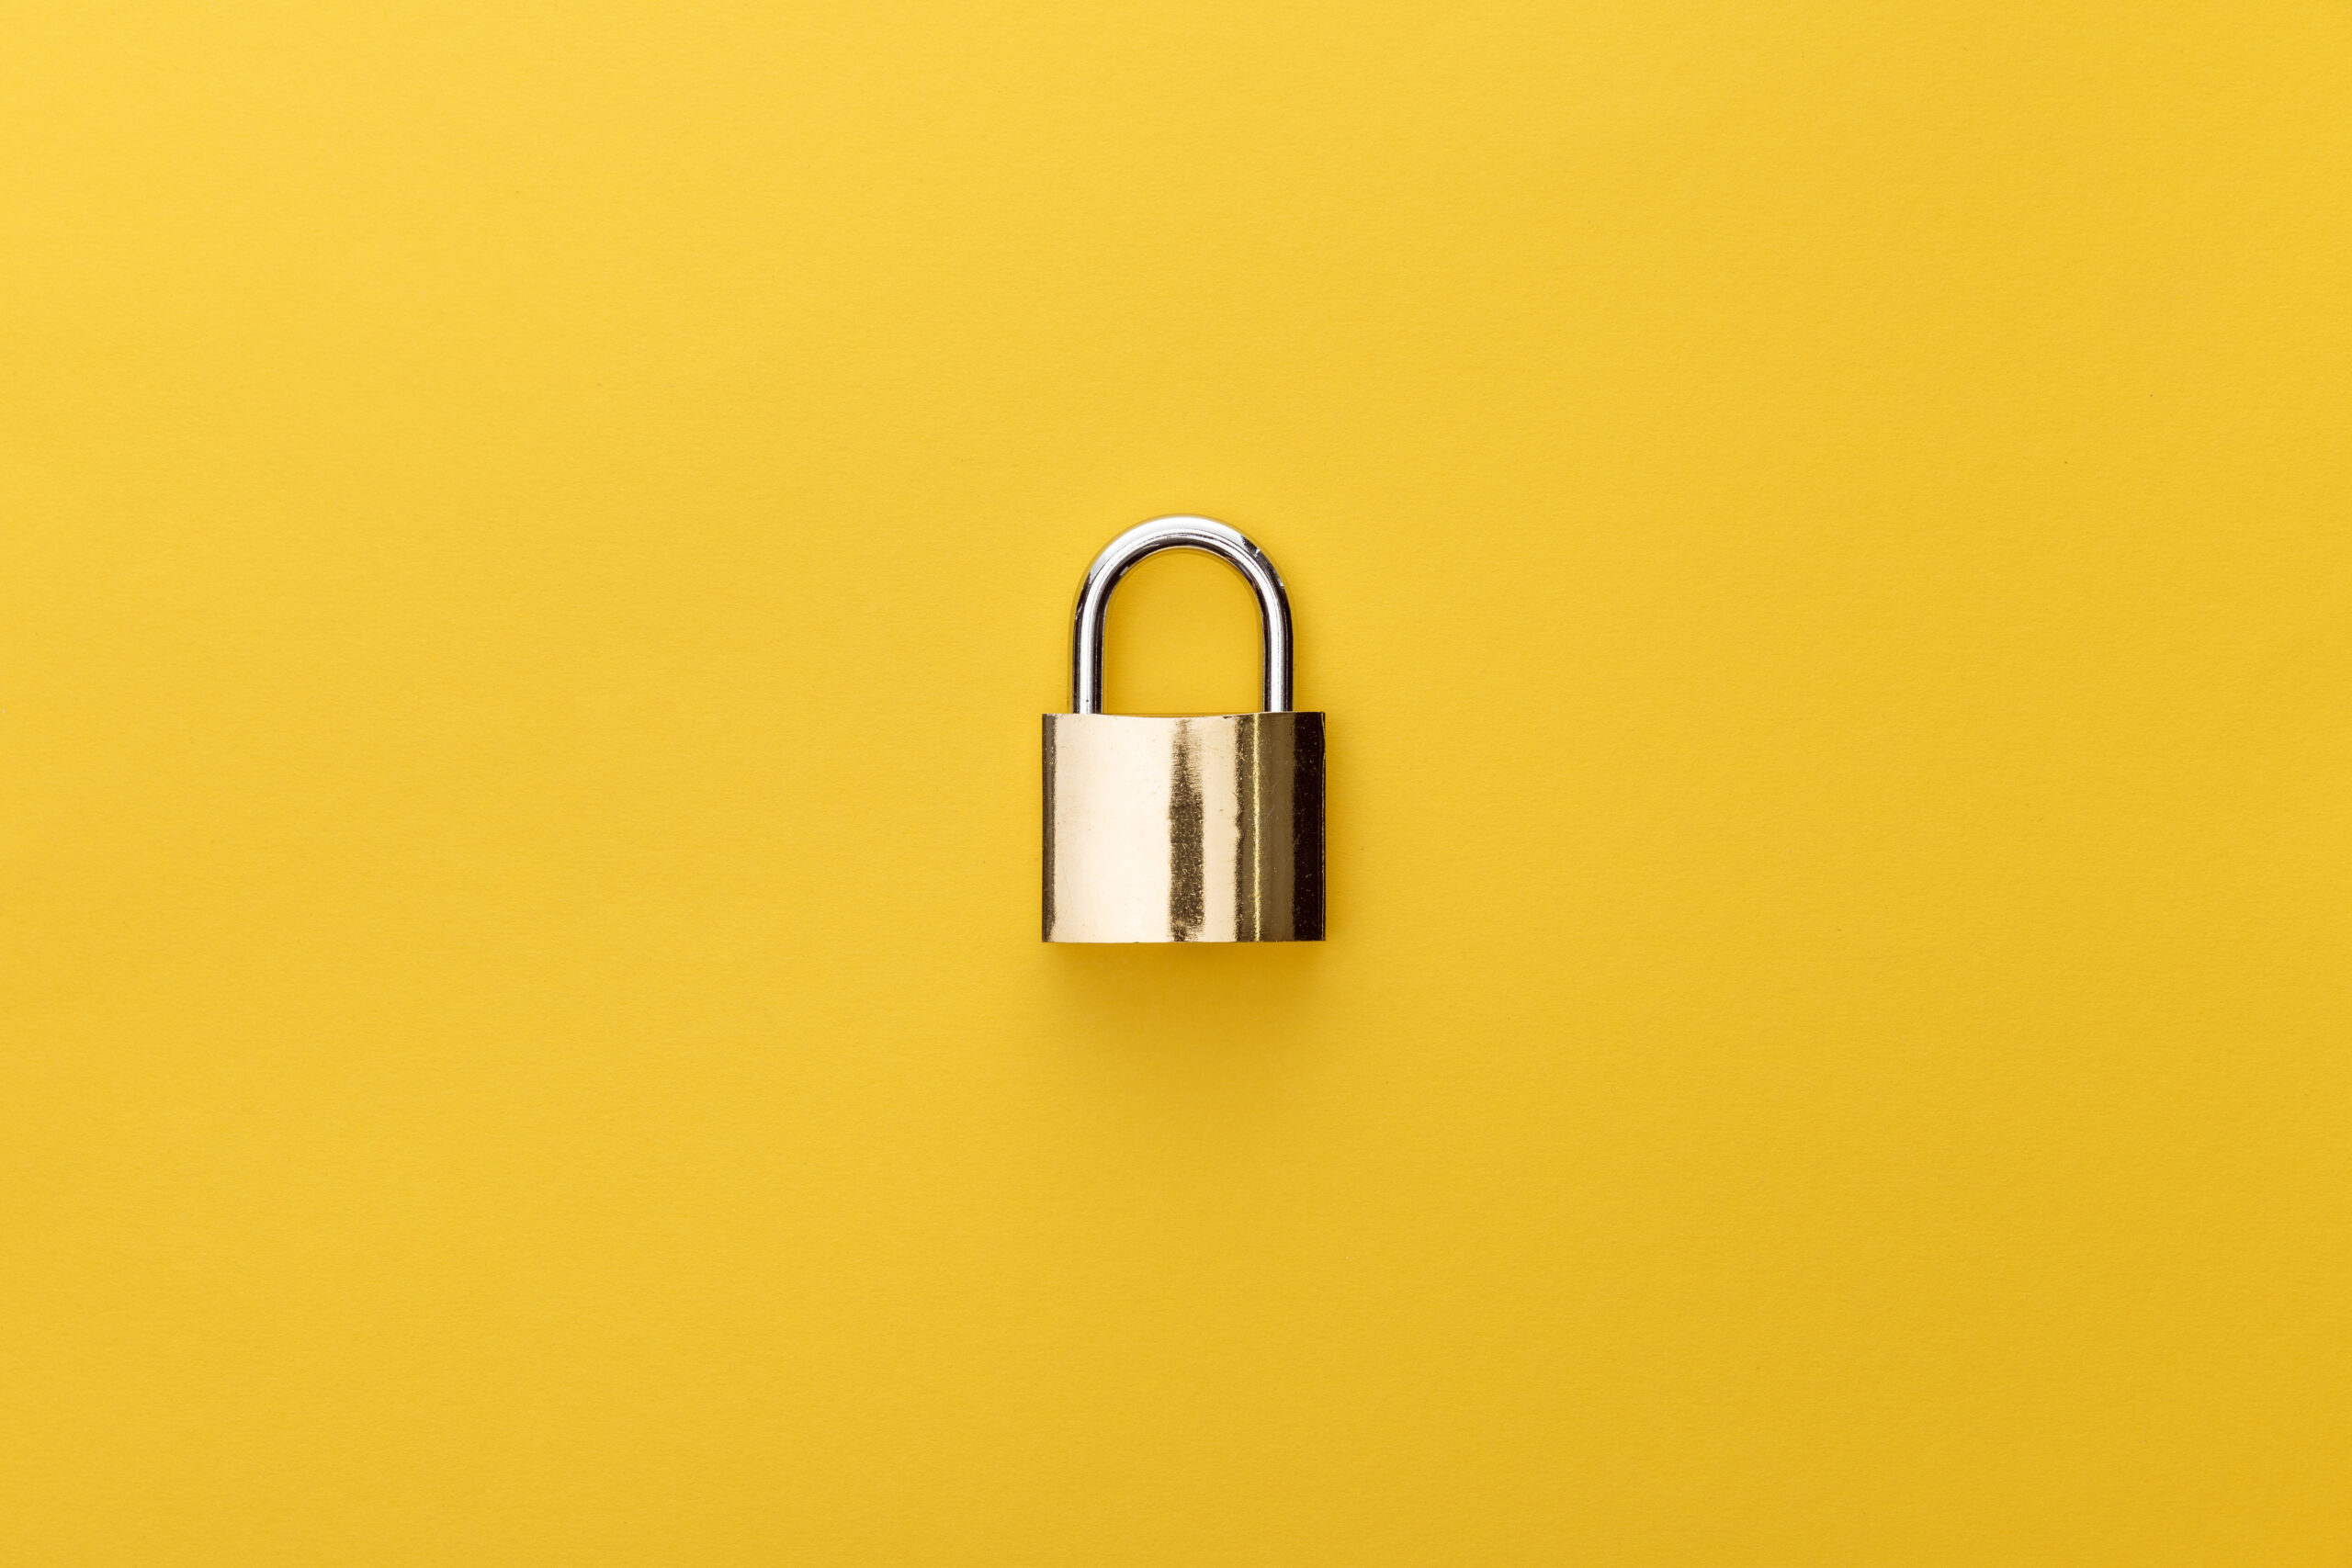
(1201, 828)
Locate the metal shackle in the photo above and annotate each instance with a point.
(1210, 538)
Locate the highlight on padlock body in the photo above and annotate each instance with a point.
(1201, 828)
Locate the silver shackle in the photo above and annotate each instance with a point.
(1209, 536)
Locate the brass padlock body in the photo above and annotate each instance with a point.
(1184, 830)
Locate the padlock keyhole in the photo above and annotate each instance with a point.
(1184, 637)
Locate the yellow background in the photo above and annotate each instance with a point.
(536, 538)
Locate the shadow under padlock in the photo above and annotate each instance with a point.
(1203, 827)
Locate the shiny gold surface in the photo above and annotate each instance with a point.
(1183, 830)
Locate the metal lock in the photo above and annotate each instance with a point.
(1202, 828)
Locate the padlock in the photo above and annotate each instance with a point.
(1200, 829)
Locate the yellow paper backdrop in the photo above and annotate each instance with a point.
(535, 537)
